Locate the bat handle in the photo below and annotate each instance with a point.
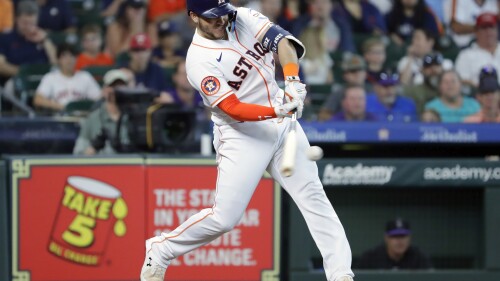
(293, 121)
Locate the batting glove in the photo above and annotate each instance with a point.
(287, 109)
(294, 90)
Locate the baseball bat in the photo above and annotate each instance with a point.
(290, 149)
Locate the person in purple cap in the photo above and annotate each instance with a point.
(396, 252)
(386, 104)
(488, 96)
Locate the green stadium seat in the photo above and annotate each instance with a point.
(79, 106)
(87, 12)
(169, 73)
(318, 94)
(28, 79)
(337, 66)
(98, 72)
(59, 38)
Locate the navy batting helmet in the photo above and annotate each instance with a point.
(210, 8)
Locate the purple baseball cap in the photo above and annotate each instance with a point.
(388, 78)
(397, 227)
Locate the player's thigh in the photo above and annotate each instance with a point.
(243, 153)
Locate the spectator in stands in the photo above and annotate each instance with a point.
(56, 16)
(147, 73)
(354, 74)
(386, 104)
(160, 10)
(410, 66)
(374, 53)
(335, 31)
(364, 17)
(185, 95)
(98, 130)
(109, 8)
(461, 17)
(60, 87)
(432, 69)
(6, 16)
(27, 43)
(450, 104)
(92, 54)
(430, 116)
(168, 53)
(354, 106)
(396, 252)
(130, 20)
(485, 51)
(408, 15)
(488, 95)
(273, 9)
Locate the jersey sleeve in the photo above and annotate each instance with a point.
(252, 20)
(209, 81)
(93, 89)
(45, 87)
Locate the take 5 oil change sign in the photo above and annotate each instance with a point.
(77, 222)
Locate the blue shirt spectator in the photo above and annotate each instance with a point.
(450, 114)
(386, 104)
(153, 77)
(18, 50)
(56, 15)
(371, 20)
(341, 116)
(451, 105)
(27, 43)
(402, 110)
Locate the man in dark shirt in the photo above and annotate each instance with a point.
(27, 43)
(396, 252)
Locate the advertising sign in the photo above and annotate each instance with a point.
(410, 172)
(248, 252)
(86, 219)
(74, 221)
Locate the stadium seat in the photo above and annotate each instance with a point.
(28, 79)
(318, 94)
(337, 66)
(79, 107)
(59, 38)
(87, 12)
(169, 72)
(98, 72)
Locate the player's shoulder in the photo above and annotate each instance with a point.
(246, 14)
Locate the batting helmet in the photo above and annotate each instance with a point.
(210, 8)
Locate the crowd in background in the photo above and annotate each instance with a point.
(366, 60)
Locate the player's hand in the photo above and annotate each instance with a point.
(294, 90)
(287, 109)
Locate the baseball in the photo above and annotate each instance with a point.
(314, 153)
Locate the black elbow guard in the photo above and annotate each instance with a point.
(275, 34)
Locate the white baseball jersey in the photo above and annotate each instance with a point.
(62, 89)
(466, 12)
(239, 65)
(245, 150)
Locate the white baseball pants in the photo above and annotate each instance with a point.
(244, 151)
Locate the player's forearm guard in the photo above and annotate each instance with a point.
(275, 34)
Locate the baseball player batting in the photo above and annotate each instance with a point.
(230, 62)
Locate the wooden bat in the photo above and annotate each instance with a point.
(290, 149)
